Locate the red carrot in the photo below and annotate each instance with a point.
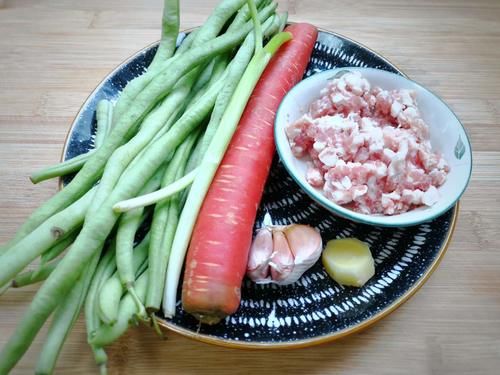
(218, 253)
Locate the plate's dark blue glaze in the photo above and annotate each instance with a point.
(316, 308)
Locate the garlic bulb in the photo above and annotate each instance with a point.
(281, 254)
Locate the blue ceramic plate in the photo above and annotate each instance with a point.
(315, 309)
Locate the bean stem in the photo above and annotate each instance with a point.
(58, 248)
(242, 16)
(34, 276)
(61, 169)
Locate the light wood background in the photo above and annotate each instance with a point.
(53, 53)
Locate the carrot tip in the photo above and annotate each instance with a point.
(208, 319)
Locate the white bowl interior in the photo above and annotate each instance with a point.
(446, 132)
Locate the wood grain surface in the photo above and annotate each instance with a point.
(54, 52)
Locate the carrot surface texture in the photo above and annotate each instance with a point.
(218, 252)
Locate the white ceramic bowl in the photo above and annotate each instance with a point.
(446, 132)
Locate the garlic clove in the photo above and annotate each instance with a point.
(260, 255)
(305, 242)
(281, 254)
(306, 246)
(282, 260)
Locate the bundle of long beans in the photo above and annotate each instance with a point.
(157, 138)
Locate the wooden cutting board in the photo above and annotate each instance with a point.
(53, 53)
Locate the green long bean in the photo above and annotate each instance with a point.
(61, 169)
(125, 238)
(187, 42)
(98, 226)
(105, 269)
(104, 119)
(104, 114)
(46, 235)
(161, 232)
(235, 72)
(105, 335)
(218, 69)
(208, 31)
(169, 32)
(95, 230)
(109, 295)
(64, 318)
(151, 129)
(142, 104)
(122, 157)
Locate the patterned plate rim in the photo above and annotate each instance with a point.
(335, 335)
(299, 343)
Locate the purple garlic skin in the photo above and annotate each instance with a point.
(260, 255)
(282, 260)
(281, 254)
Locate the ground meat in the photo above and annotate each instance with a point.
(368, 149)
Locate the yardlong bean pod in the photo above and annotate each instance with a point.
(164, 220)
(59, 247)
(105, 335)
(111, 291)
(235, 72)
(125, 238)
(63, 320)
(158, 113)
(95, 231)
(105, 269)
(38, 241)
(120, 133)
(104, 120)
(169, 31)
(104, 115)
(210, 29)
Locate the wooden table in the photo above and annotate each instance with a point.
(53, 53)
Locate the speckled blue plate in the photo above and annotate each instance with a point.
(315, 309)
